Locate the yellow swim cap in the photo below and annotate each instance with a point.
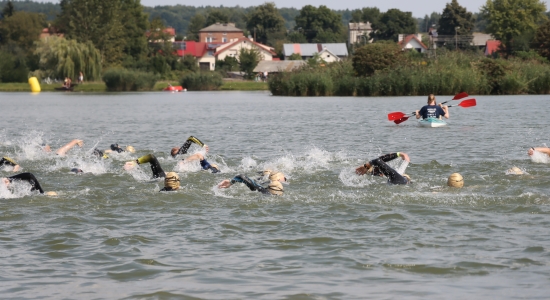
(514, 171)
(455, 180)
(51, 193)
(172, 180)
(275, 188)
(130, 149)
(277, 177)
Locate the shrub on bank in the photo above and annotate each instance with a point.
(202, 81)
(123, 80)
(450, 73)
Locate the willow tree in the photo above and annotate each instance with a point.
(61, 58)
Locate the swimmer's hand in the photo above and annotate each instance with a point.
(80, 143)
(531, 151)
(362, 170)
(6, 181)
(129, 165)
(224, 184)
(206, 148)
(404, 156)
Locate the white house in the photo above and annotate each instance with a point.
(412, 42)
(329, 52)
(233, 49)
(359, 33)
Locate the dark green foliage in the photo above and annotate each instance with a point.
(366, 14)
(295, 56)
(49, 9)
(13, 68)
(115, 27)
(188, 62)
(22, 29)
(392, 23)
(424, 24)
(8, 10)
(318, 24)
(373, 57)
(248, 60)
(228, 64)
(541, 42)
(454, 16)
(217, 16)
(202, 81)
(122, 80)
(197, 23)
(265, 20)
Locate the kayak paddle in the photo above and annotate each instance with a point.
(457, 97)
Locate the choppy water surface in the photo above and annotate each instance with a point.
(333, 235)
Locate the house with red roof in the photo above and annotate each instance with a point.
(233, 49)
(220, 33)
(492, 47)
(167, 34)
(412, 42)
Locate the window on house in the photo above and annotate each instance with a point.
(224, 39)
(209, 39)
(328, 55)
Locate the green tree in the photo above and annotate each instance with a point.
(366, 14)
(197, 23)
(13, 67)
(105, 23)
(228, 64)
(295, 56)
(392, 23)
(508, 19)
(248, 60)
(60, 57)
(189, 62)
(454, 16)
(376, 56)
(541, 42)
(217, 16)
(428, 21)
(22, 29)
(319, 23)
(265, 20)
(8, 10)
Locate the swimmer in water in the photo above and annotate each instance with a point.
(28, 177)
(171, 182)
(544, 150)
(197, 156)
(273, 188)
(378, 167)
(6, 161)
(152, 160)
(118, 149)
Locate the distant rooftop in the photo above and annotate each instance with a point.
(225, 27)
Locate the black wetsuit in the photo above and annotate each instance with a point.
(183, 149)
(29, 177)
(251, 184)
(116, 148)
(7, 161)
(381, 168)
(155, 165)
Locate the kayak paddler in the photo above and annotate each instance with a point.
(432, 110)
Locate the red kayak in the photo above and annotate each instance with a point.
(174, 88)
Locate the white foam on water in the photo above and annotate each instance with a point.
(16, 189)
(248, 163)
(348, 177)
(191, 166)
(539, 157)
(139, 174)
(401, 166)
(86, 164)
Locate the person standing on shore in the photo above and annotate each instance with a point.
(80, 78)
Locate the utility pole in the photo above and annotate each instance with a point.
(456, 37)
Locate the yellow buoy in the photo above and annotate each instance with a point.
(35, 86)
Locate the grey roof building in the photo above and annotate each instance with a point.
(308, 50)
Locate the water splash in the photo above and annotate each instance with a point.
(539, 157)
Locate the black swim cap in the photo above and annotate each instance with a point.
(76, 170)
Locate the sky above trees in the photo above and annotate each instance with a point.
(418, 8)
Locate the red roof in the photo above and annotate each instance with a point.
(197, 49)
(247, 39)
(408, 38)
(491, 47)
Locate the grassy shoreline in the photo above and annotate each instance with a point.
(100, 86)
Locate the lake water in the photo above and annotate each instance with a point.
(110, 234)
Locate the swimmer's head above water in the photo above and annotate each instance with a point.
(171, 182)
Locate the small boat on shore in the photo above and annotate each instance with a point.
(432, 122)
(178, 88)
